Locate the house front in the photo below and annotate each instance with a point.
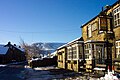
(101, 37)
(3, 51)
(62, 56)
(75, 55)
(115, 9)
(11, 53)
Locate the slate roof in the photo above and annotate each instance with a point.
(3, 50)
(21, 49)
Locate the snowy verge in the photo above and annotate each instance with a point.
(1, 65)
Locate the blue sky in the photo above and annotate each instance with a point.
(46, 20)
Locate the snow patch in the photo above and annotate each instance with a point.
(45, 68)
(2, 65)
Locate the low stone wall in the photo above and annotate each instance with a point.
(44, 62)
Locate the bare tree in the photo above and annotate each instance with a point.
(27, 49)
(31, 50)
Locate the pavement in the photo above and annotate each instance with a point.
(11, 72)
(53, 73)
(24, 72)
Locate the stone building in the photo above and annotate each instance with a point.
(102, 38)
(11, 53)
(75, 55)
(99, 46)
(62, 57)
(71, 55)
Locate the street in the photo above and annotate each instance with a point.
(11, 72)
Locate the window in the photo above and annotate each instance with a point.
(87, 50)
(118, 49)
(116, 14)
(89, 46)
(69, 55)
(99, 53)
(80, 52)
(89, 31)
(102, 24)
(94, 26)
(86, 56)
(74, 53)
(85, 46)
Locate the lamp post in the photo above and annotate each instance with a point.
(104, 27)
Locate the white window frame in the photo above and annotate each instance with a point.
(89, 31)
(74, 52)
(69, 51)
(99, 27)
(117, 48)
(94, 26)
(116, 11)
(89, 50)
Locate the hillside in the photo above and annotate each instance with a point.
(44, 48)
(48, 46)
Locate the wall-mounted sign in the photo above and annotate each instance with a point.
(103, 24)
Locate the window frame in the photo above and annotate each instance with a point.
(94, 26)
(74, 52)
(117, 49)
(116, 16)
(99, 32)
(69, 55)
(89, 28)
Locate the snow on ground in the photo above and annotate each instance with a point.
(109, 76)
(1, 65)
(52, 73)
(45, 68)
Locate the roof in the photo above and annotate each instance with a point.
(3, 50)
(62, 46)
(117, 2)
(100, 13)
(89, 21)
(21, 49)
(80, 39)
(15, 46)
(93, 41)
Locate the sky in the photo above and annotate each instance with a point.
(46, 20)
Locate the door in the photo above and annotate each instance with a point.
(100, 54)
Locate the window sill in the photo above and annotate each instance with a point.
(89, 37)
(116, 26)
(100, 33)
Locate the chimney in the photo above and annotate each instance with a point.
(19, 46)
(107, 7)
(14, 44)
(9, 43)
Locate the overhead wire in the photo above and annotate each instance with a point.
(39, 32)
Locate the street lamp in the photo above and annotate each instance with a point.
(104, 27)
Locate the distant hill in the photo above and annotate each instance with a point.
(47, 47)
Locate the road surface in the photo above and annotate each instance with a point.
(11, 72)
